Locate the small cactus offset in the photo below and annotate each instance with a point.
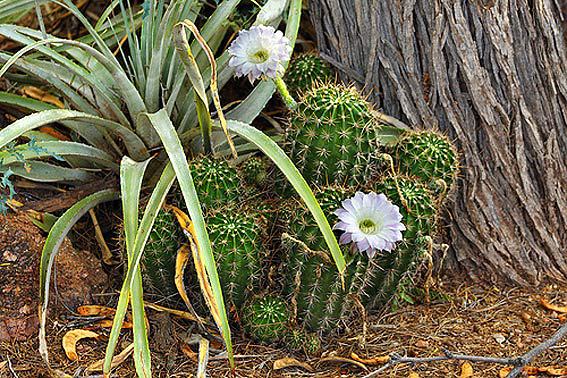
(428, 155)
(301, 341)
(236, 237)
(255, 171)
(331, 136)
(266, 318)
(158, 260)
(305, 70)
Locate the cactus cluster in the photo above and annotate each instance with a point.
(331, 136)
(236, 233)
(306, 70)
(258, 235)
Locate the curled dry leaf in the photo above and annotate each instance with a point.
(186, 350)
(3, 366)
(370, 361)
(116, 360)
(467, 370)
(70, 341)
(287, 362)
(545, 303)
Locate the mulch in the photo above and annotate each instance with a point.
(474, 320)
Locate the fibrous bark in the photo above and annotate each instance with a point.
(492, 74)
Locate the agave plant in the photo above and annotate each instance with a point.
(138, 85)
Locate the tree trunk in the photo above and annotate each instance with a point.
(492, 74)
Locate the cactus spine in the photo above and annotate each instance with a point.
(266, 318)
(331, 137)
(305, 70)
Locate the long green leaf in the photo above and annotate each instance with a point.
(131, 176)
(133, 143)
(135, 243)
(45, 172)
(63, 148)
(54, 240)
(174, 149)
(284, 163)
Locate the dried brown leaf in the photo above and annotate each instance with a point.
(370, 361)
(107, 323)
(116, 360)
(287, 362)
(186, 350)
(545, 303)
(41, 95)
(72, 337)
(555, 372)
(467, 370)
(343, 360)
(413, 375)
(94, 310)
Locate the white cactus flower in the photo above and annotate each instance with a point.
(259, 52)
(371, 222)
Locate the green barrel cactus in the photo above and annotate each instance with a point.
(237, 240)
(217, 183)
(305, 70)
(266, 318)
(311, 280)
(331, 136)
(160, 253)
(428, 155)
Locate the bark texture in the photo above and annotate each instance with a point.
(492, 74)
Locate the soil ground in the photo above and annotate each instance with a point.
(474, 320)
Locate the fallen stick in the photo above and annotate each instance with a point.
(517, 362)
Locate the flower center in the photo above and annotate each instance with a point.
(259, 56)
(367, 226)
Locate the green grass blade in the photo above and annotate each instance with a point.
(54, 240)
(283, 162)
(174, 149)
(194, 74)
